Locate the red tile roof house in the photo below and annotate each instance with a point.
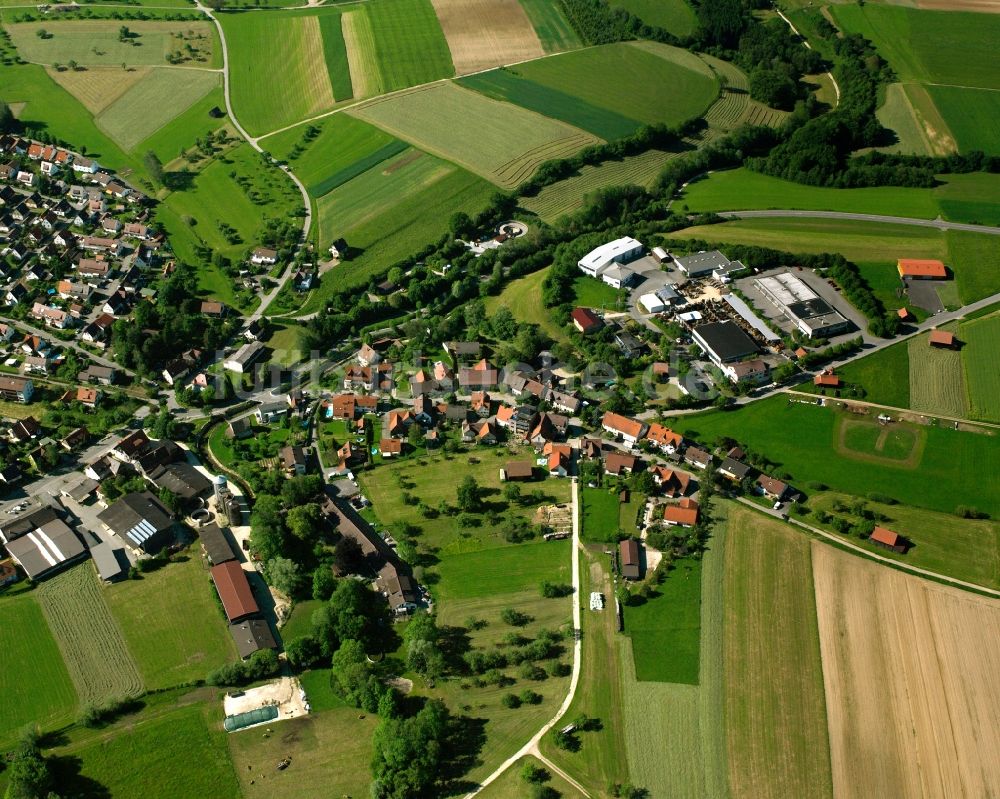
(664, 438)
(683, 514)
(773, 489)
(629, 430)
(888, 539)
(586, 321)
(826, 379)
(672, 483)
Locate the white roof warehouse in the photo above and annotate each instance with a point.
(619, 251)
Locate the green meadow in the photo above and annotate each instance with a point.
(675, 16)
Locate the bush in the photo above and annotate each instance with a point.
(883, 498)
(511, 701)
(534, 774)
(514, 617)
(555, 590)
(529, 697)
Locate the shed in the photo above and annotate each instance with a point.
(517, 470)
(942, 338)
(888, 539)
(630, 560)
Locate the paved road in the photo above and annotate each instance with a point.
(843, 542)
(937, 224)
(72, 345)
(531, 747)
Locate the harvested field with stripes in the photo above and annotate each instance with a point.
(98, 87)
(503, 143)
(486, 33)
(910, 666)
(92, 645)
(936, 380)
(734, 107)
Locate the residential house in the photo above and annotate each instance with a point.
(269, 412)
(620, 463)
(752, 372)
(774, 489)
(733, 470)
(131, 447)
(672, 483)
(681, 514)
(628, 430)
(24, 430)
(480, 404)
(368, 355)
(664, 438)
(697, 457)
(390, 447)
(19, 389)
(827, 379)
(480, 377)
(293, 461)
(240, 428)
(263, 256)
(586, 321)
(213, 309)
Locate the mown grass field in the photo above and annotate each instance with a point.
(602, 757)
(343, 149)
(553, 29)
(885, 376)
(523, 297)
(666, 630)
(410, 48)
(511, 785)
(516, 569)
(645, 81)
(911, 114)
(172, 623)
(93, 647)
(775, 707)
(505, 146)
(34, 680)
(569, 195)
(973, 115)
(96, 42)
(981, 339)
(98, 87)
(675, 16)
(183, 130)
(600, 514)
(179, 752)
(936, 380)
(967, 549)
(594, 293)
(335, 54)
(330, 751)
(293, 40)
(154, 101)
(802, 438)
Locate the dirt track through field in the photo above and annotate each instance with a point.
(910, 668)
(982, 6)
(486, 33)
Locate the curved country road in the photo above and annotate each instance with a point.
(531, 747)
(938, 224)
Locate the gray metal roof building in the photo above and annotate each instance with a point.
(724, 342)
(216, 545)
(111, 562)
(140, 520)
(43, 543)
(182, 479)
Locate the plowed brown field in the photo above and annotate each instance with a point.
(483, 34)
(912, 699)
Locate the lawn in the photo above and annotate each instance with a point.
(300, 622)
(553, 29)
(600, 515)
(34, 681)
(648, 82)
(89, 636)
(182, 752)
(963, 548)
(594, 293)
(295, 41)
(981, 340)
(523, 297)
(569, 195)
(285, 343)
(505, 146)
(802, 439)
(330, 751)
(153, 102)
(775, 707)
(675, 16)
(489, 572)
(98, 43)
(601, 757)
(172, 623)
(319, 690)
(666, 629)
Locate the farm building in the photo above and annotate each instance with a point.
(111, 562)
(942, 338)
(619, 251)
(724, 342)
(802, 306)
(921, 269)
(751, 318)
(41, 542)
(516, 471)
(630, 559)
(251, 636)
(888, 539)
(234, 591)
(141, 521)
(181, 479)
(216, 544)
(244, 357)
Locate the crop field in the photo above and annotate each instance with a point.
(98, 87)
(803, 437)
(184, 129)
(172, 623)
(734, 106)
(973, 116)
(523, 297)
(505, 85)
(154, 101)
(968, 549)
(568, 195)
(981, 340)
(932, 720)
(335, 54)
(666, 629)
(92, 645)
(334, 155)
(905, 112)
(97, 42)
(409, 45)
(294, 41)
(182, 752)
(505, 145)
(486, 33)
(551, 25)
(974, 197)
(936, 380)
(646, 81)
(34, 679)
(330, 750)
(675, 16)
(775, 715)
